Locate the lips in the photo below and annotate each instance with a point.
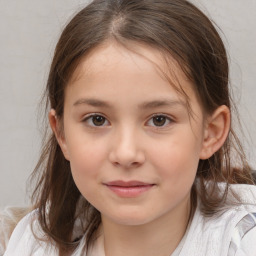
(128, 188)
(132, 183)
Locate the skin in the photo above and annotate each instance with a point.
(143, 132)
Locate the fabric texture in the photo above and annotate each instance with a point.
(9, 217)
(230, 233)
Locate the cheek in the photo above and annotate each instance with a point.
(177, 158)
(86, 160)
(85, 167)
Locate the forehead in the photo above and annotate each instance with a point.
(112, 61)
(112, 52)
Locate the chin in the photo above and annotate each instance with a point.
(131, 219)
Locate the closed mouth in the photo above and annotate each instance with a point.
(128, 189)
(133, 183)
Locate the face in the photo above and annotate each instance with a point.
(132, 146)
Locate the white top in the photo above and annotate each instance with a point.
(232, 233)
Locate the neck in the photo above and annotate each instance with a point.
(159, 237)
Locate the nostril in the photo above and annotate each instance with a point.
(127, 159)
(134, 164)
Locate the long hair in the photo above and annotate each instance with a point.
(177, 29)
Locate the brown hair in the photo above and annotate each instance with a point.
(174, 27)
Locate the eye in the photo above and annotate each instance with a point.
(96, 120)
(159, 121)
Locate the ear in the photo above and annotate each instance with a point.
(216, 131)
(55, 126)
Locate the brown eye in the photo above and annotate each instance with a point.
(98, 120)
(159, 120)
(95, 120)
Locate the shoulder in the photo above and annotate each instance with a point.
(9, 217)
(28, 239)
(234, 228)
(237, 221)
(246, 194)
(243, 240)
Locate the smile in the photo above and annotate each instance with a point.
(128, 189)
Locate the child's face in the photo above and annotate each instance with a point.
(132, 146)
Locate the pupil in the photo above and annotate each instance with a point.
(159, 120)
(98, 120)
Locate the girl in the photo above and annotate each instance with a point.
(142, 154)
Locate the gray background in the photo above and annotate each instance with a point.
(28, 33)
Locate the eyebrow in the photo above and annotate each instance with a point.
(92, 102)
(144, 105)
(161, 103)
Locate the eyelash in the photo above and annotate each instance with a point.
(89, 120)
(166, 119)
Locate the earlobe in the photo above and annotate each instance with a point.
(216, 131)
(55, 126)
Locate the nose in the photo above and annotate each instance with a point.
(126, 150)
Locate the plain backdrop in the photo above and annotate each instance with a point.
(29, 30)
